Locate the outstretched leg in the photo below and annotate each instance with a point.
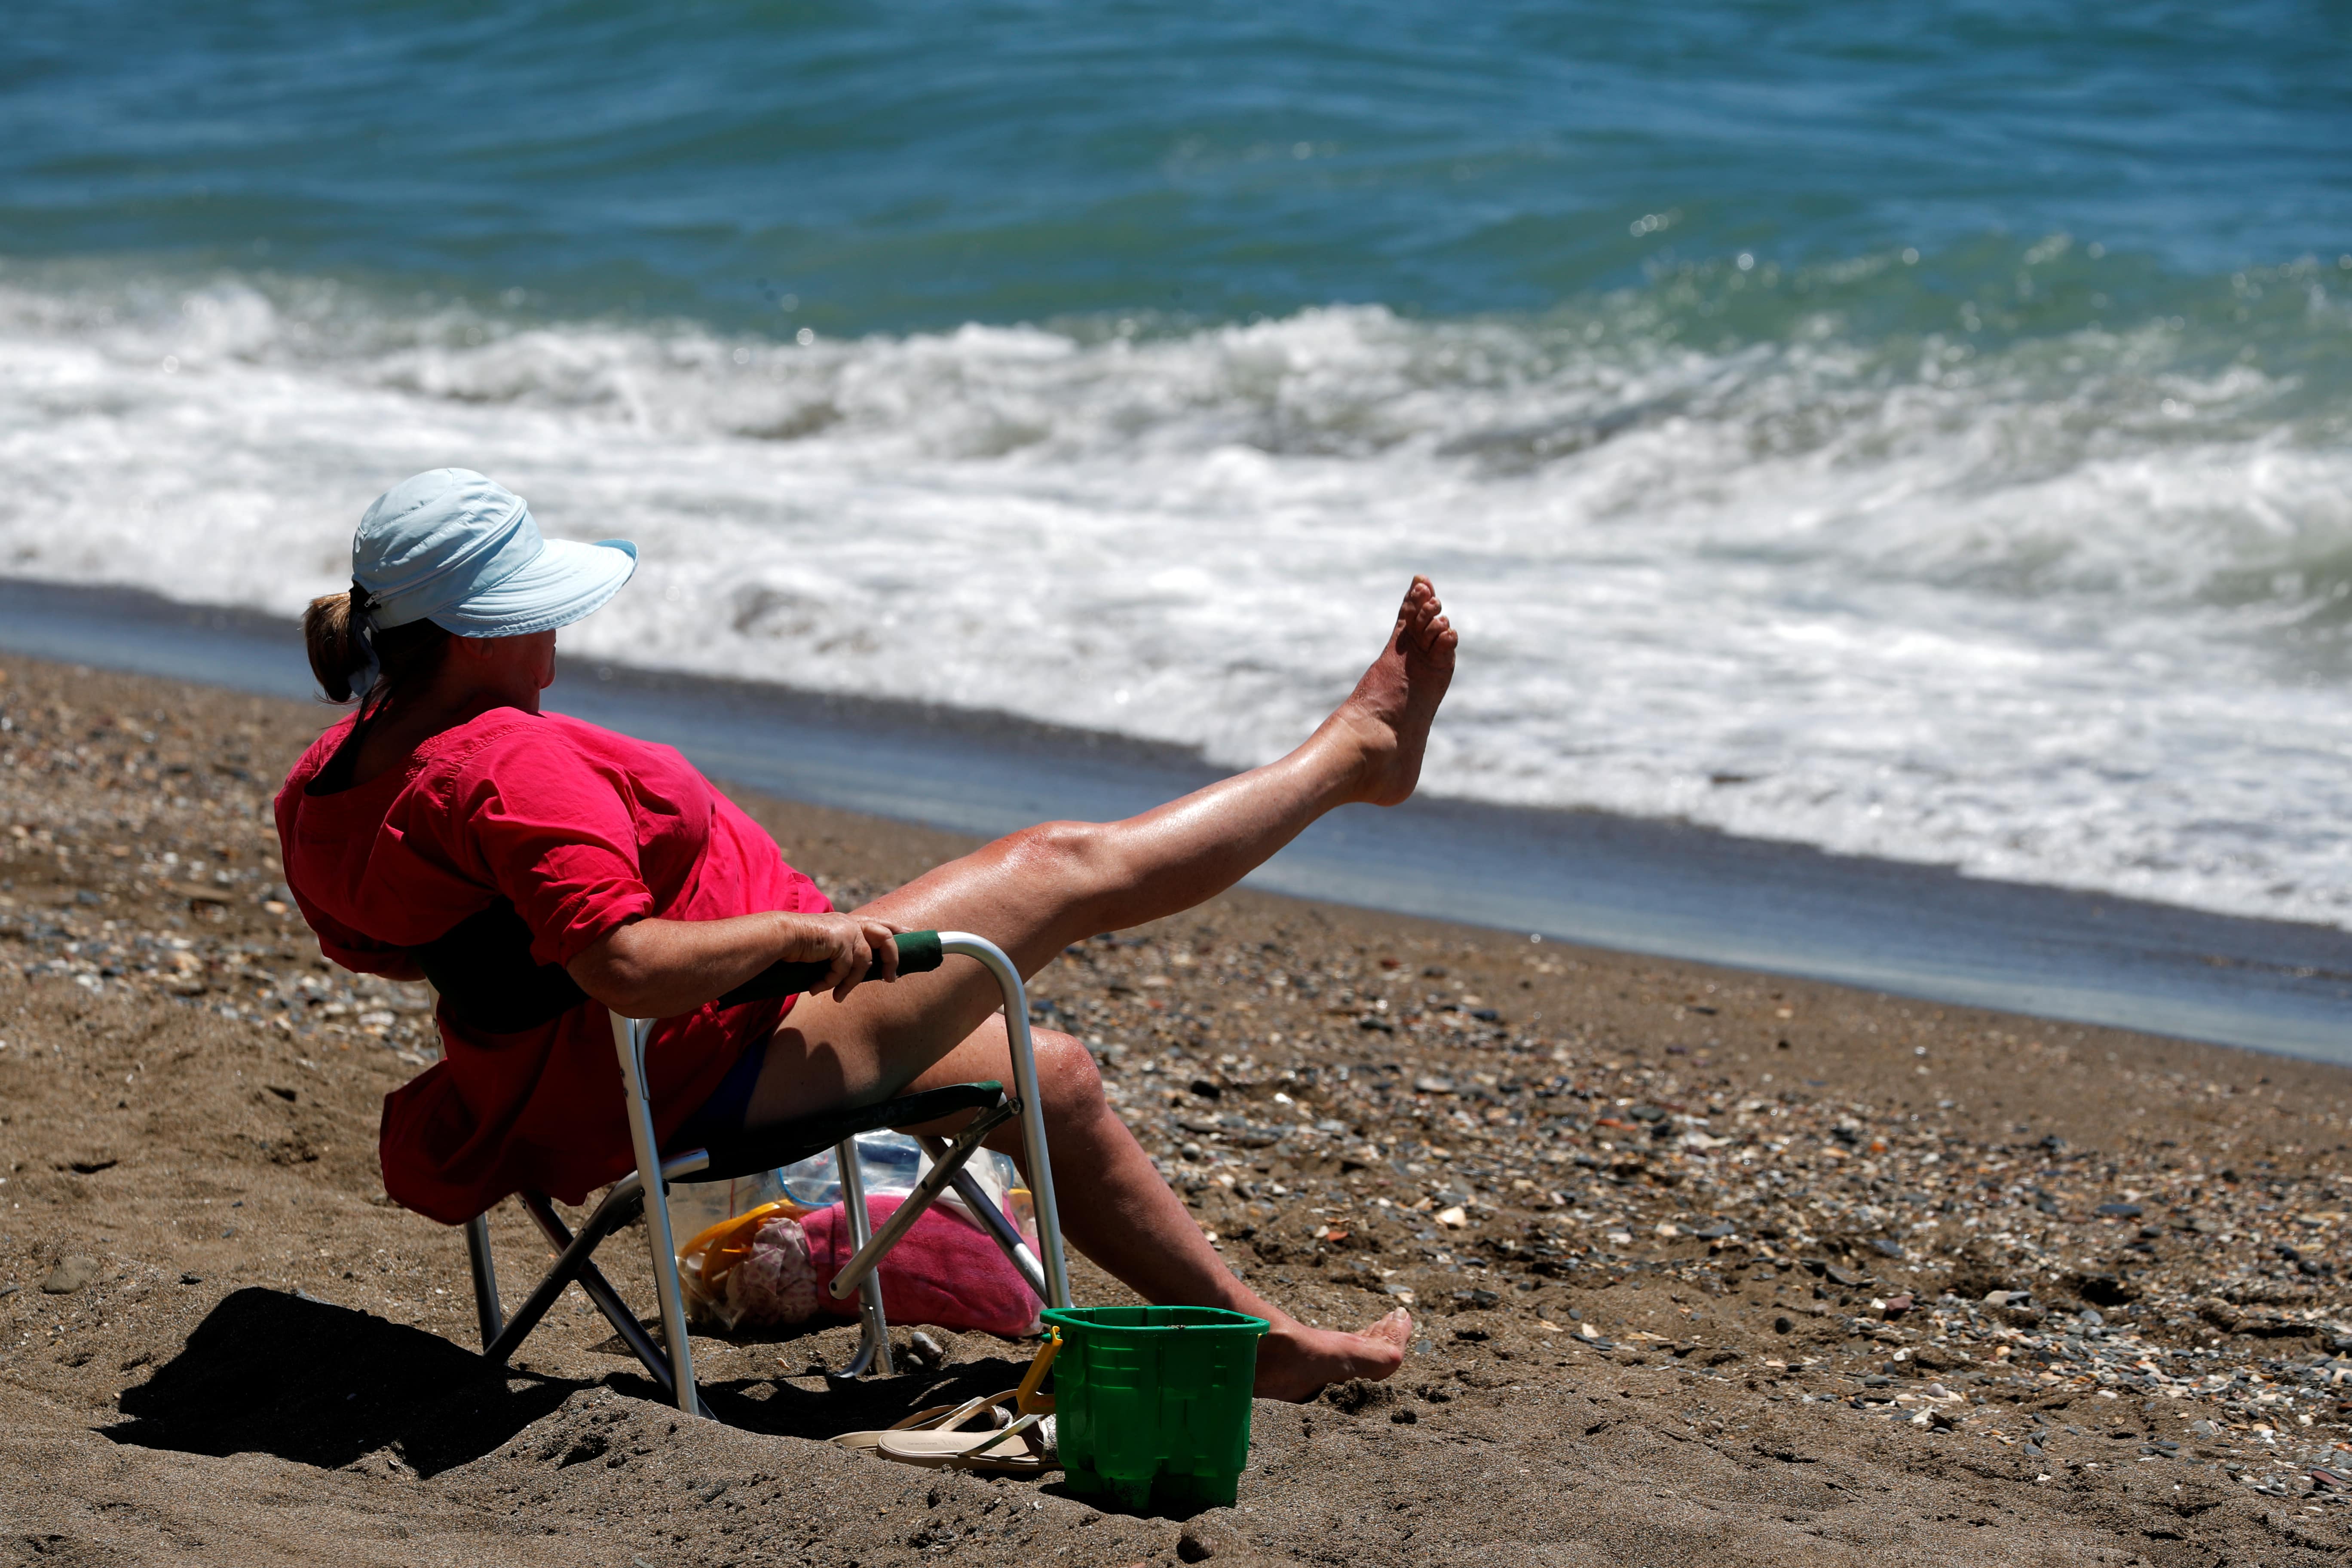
(1116, 1210)
(1037, 891)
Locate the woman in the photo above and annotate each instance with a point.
(449, 790)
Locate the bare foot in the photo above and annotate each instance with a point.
(1389, 713)
(1295, 1362)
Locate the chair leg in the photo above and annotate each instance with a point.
(603, 1297)
(868, 1257)
(999, 1229)
(629, 1040)
(1032, 1111)
(874, 1326)
(620, 1205)
(487, 1312)
(489, 1315)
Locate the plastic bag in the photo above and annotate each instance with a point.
(891, 1164)
(767, 1266)
(695, 1206)
(752, 1268)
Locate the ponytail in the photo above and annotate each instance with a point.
(373, 664)
(377, 665)
(331, 634)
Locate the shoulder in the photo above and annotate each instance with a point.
(508, 745)
(314, 757)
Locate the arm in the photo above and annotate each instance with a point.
(655, 968)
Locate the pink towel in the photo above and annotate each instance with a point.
(943, 1271)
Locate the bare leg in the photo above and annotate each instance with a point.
(1116, 1210)
(1036, 893)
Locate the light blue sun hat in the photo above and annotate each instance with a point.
(462, 550)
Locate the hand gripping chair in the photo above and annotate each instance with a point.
(484, 974)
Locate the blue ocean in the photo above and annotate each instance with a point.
(1924, 432)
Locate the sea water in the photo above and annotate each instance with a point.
(1922, 433)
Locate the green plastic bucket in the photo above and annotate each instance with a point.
(1152, 1405)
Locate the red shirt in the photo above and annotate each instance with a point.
(584, 831)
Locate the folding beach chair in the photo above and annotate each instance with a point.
(475, 969)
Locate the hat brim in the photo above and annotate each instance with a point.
(566, 581)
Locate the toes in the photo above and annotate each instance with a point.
(1422, 629)
(1420, 606)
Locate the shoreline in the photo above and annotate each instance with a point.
(1692, 1250)
(1631, 885)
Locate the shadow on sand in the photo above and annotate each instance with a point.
(271, 1372)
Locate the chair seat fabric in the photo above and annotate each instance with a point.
(766, 1148)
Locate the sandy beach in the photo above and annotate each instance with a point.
(1703, 1262)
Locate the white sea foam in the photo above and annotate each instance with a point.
(2064, 612)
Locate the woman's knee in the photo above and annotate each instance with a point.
(1066, 1073)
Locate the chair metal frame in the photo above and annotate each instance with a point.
(671, 1363)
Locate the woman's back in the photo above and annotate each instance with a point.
(583, 831)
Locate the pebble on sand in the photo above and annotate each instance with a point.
(69, 1276)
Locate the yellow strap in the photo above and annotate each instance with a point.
(729, 1243)
(1027, 1400)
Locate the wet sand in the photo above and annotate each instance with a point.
(1705, 1261)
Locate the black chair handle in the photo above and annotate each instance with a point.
(483, 968)
(919, 952)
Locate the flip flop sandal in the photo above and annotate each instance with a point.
(996, 1452)
(947, 1417)
(933, 1437)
